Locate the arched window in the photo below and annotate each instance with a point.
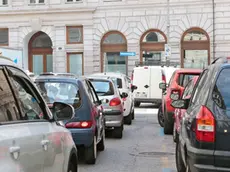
(152, 45)
(112, 44)
(40, 53)
(195, 48)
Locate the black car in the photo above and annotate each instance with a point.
(204, 136)
(88, 125)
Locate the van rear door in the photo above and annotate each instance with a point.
(141, 78)
(155, 79)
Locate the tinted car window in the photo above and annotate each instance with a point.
(8, 108)
(61, 92)
(102, 87)
(221, 93)
(188, 89)
(185, 78)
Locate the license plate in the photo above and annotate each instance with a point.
(141, 95)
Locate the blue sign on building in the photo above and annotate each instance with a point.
(127, 53)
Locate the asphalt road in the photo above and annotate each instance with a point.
(143, 148)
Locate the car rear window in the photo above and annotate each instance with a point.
(184, 78)
(221, 93)
(60, 92)
(103, 87)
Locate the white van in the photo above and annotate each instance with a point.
(147, 79)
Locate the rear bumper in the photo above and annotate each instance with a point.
(113, 119)
(82, 137)
(203, 161)
(147, 100)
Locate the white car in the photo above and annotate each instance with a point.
(31, 138)
(123, 83)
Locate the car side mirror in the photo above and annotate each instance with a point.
(133, 87)
(62, 111)
(163, 86)
(180, 104)
(99, 102)
(124, 95)
(174, 96)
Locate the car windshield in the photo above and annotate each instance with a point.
(103, 88)
(60, 92)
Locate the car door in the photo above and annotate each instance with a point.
(98, 108)
(27, 132)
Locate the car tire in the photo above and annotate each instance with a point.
(137, 104)
(133, 115)
(128, 119)
(91, 152)
(160, 116)
(118, 132)
(175, 134)
(101, 144)
(179, 162)
(72, 167)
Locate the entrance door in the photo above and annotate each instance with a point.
(40, 53)
(42, 63)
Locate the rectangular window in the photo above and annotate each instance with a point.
(4, 37)
(3, 2)
(75, 63)
(73, 1)
(37, 1)
(74, 34)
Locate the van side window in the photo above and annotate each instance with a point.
(8, 106)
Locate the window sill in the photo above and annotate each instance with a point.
(36, 4)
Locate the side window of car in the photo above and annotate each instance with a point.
(199, 85)
(188, 90)
(8, 105)
(89, 92)
(28, 100)
(94, 95)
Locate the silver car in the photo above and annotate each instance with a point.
(112, 103)
(31, 138)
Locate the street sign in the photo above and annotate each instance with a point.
(127, 53)
(167, 50)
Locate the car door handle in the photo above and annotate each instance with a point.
(15, 149)
(15, 152)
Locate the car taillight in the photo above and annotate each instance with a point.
(82, 124)
(115, 102)
(163, 78)
(205, 125)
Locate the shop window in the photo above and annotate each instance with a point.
(75, 63)
(74, 34)
(4, 37)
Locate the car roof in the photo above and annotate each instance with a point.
(55, 77)
(183, 70)
(105, 78)
(112, 74)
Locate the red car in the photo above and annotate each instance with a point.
(179, 113)
(175, 87)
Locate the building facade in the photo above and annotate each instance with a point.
(87, 36)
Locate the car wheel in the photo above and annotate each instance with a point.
(160, 117)
(179, 162)
(133, 115)
(137, 104)
(128, 119)
(91, 152)
(72, 167)
(101, 144)
(118, 132)
(175, 134)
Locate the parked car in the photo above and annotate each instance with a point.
(87, 126)
(28, 126)
(179, 113)
(112, 103)
(123, 83)
(204, 136)
(176, 86)
(31, 75)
